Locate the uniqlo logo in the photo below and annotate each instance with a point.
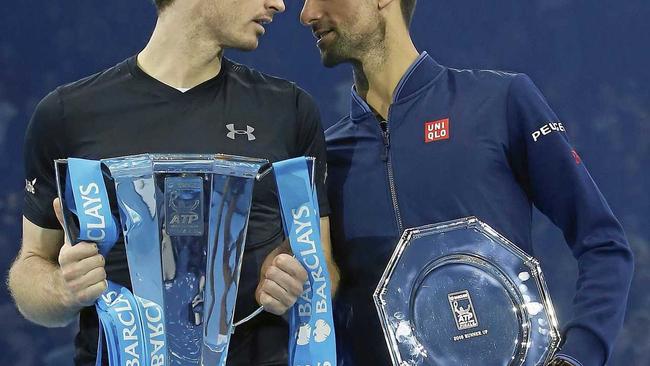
(576, 157)
(436, 130)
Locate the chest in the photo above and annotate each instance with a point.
(433, 144)
(202, 125)
(437, 160)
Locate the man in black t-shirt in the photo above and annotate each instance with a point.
(179, 95)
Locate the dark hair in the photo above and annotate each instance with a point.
(408, 8)
(162, 4)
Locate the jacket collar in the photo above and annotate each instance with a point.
(422, 71)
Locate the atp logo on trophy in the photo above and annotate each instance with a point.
(184, 206)
(463, 310)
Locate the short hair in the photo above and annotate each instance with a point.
(162, 4)
(408, 8)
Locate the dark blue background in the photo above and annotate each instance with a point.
(590, 58)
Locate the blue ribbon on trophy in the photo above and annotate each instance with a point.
(121, 314)
(312, 339)
(87, 198)
(184, 220)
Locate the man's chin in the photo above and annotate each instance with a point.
(245, 44)
(330, 60)
(248, 46)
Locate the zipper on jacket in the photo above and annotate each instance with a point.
(391, 179)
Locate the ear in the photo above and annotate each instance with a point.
(384, 3)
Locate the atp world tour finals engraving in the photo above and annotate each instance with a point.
(458, 293)
(465, 315)
(461, 306)
(184, 206)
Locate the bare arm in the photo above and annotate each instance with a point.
(35, 278)
(333, 269)
(51, 281)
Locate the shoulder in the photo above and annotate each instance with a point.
(89, 91)
(484, 76)
(250, 78)
(339, 129)
(485, 80)
(47, 117)
(51, 111)
(97, 82)
(502, 89)
(269, 91)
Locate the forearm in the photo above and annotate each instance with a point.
(35, 284)
(335, 276)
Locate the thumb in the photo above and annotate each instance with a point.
(58, 210)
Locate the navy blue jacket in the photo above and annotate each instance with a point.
(467, 143)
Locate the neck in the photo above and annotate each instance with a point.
(180, 56)
(378, 72)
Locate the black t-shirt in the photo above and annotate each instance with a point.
(123, 111)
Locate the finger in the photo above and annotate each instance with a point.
(94, 276)
(91, 293)
(277, 292)
(58, 210)
(80, 283)
(271, 304)
(86, 265)
(73, 272)
(291, 266)
(286, 281)
(75, 253)
(90, 263)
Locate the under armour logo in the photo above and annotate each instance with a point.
(29, 185)
(248, 132)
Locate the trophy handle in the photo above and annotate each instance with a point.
(265, 171)
(249, 317)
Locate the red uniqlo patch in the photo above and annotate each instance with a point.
(576, 156)
(436, 130)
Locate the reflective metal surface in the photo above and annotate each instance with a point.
(458, 293)
(184, 220)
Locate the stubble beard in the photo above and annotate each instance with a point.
(353, 48)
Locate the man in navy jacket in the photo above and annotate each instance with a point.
(424, 143)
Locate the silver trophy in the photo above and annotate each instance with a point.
(459, 293)
(184, 220)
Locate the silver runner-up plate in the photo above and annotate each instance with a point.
(459, 293)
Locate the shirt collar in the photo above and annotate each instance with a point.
(422, 71)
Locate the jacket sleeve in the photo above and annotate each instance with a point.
(560, 186)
